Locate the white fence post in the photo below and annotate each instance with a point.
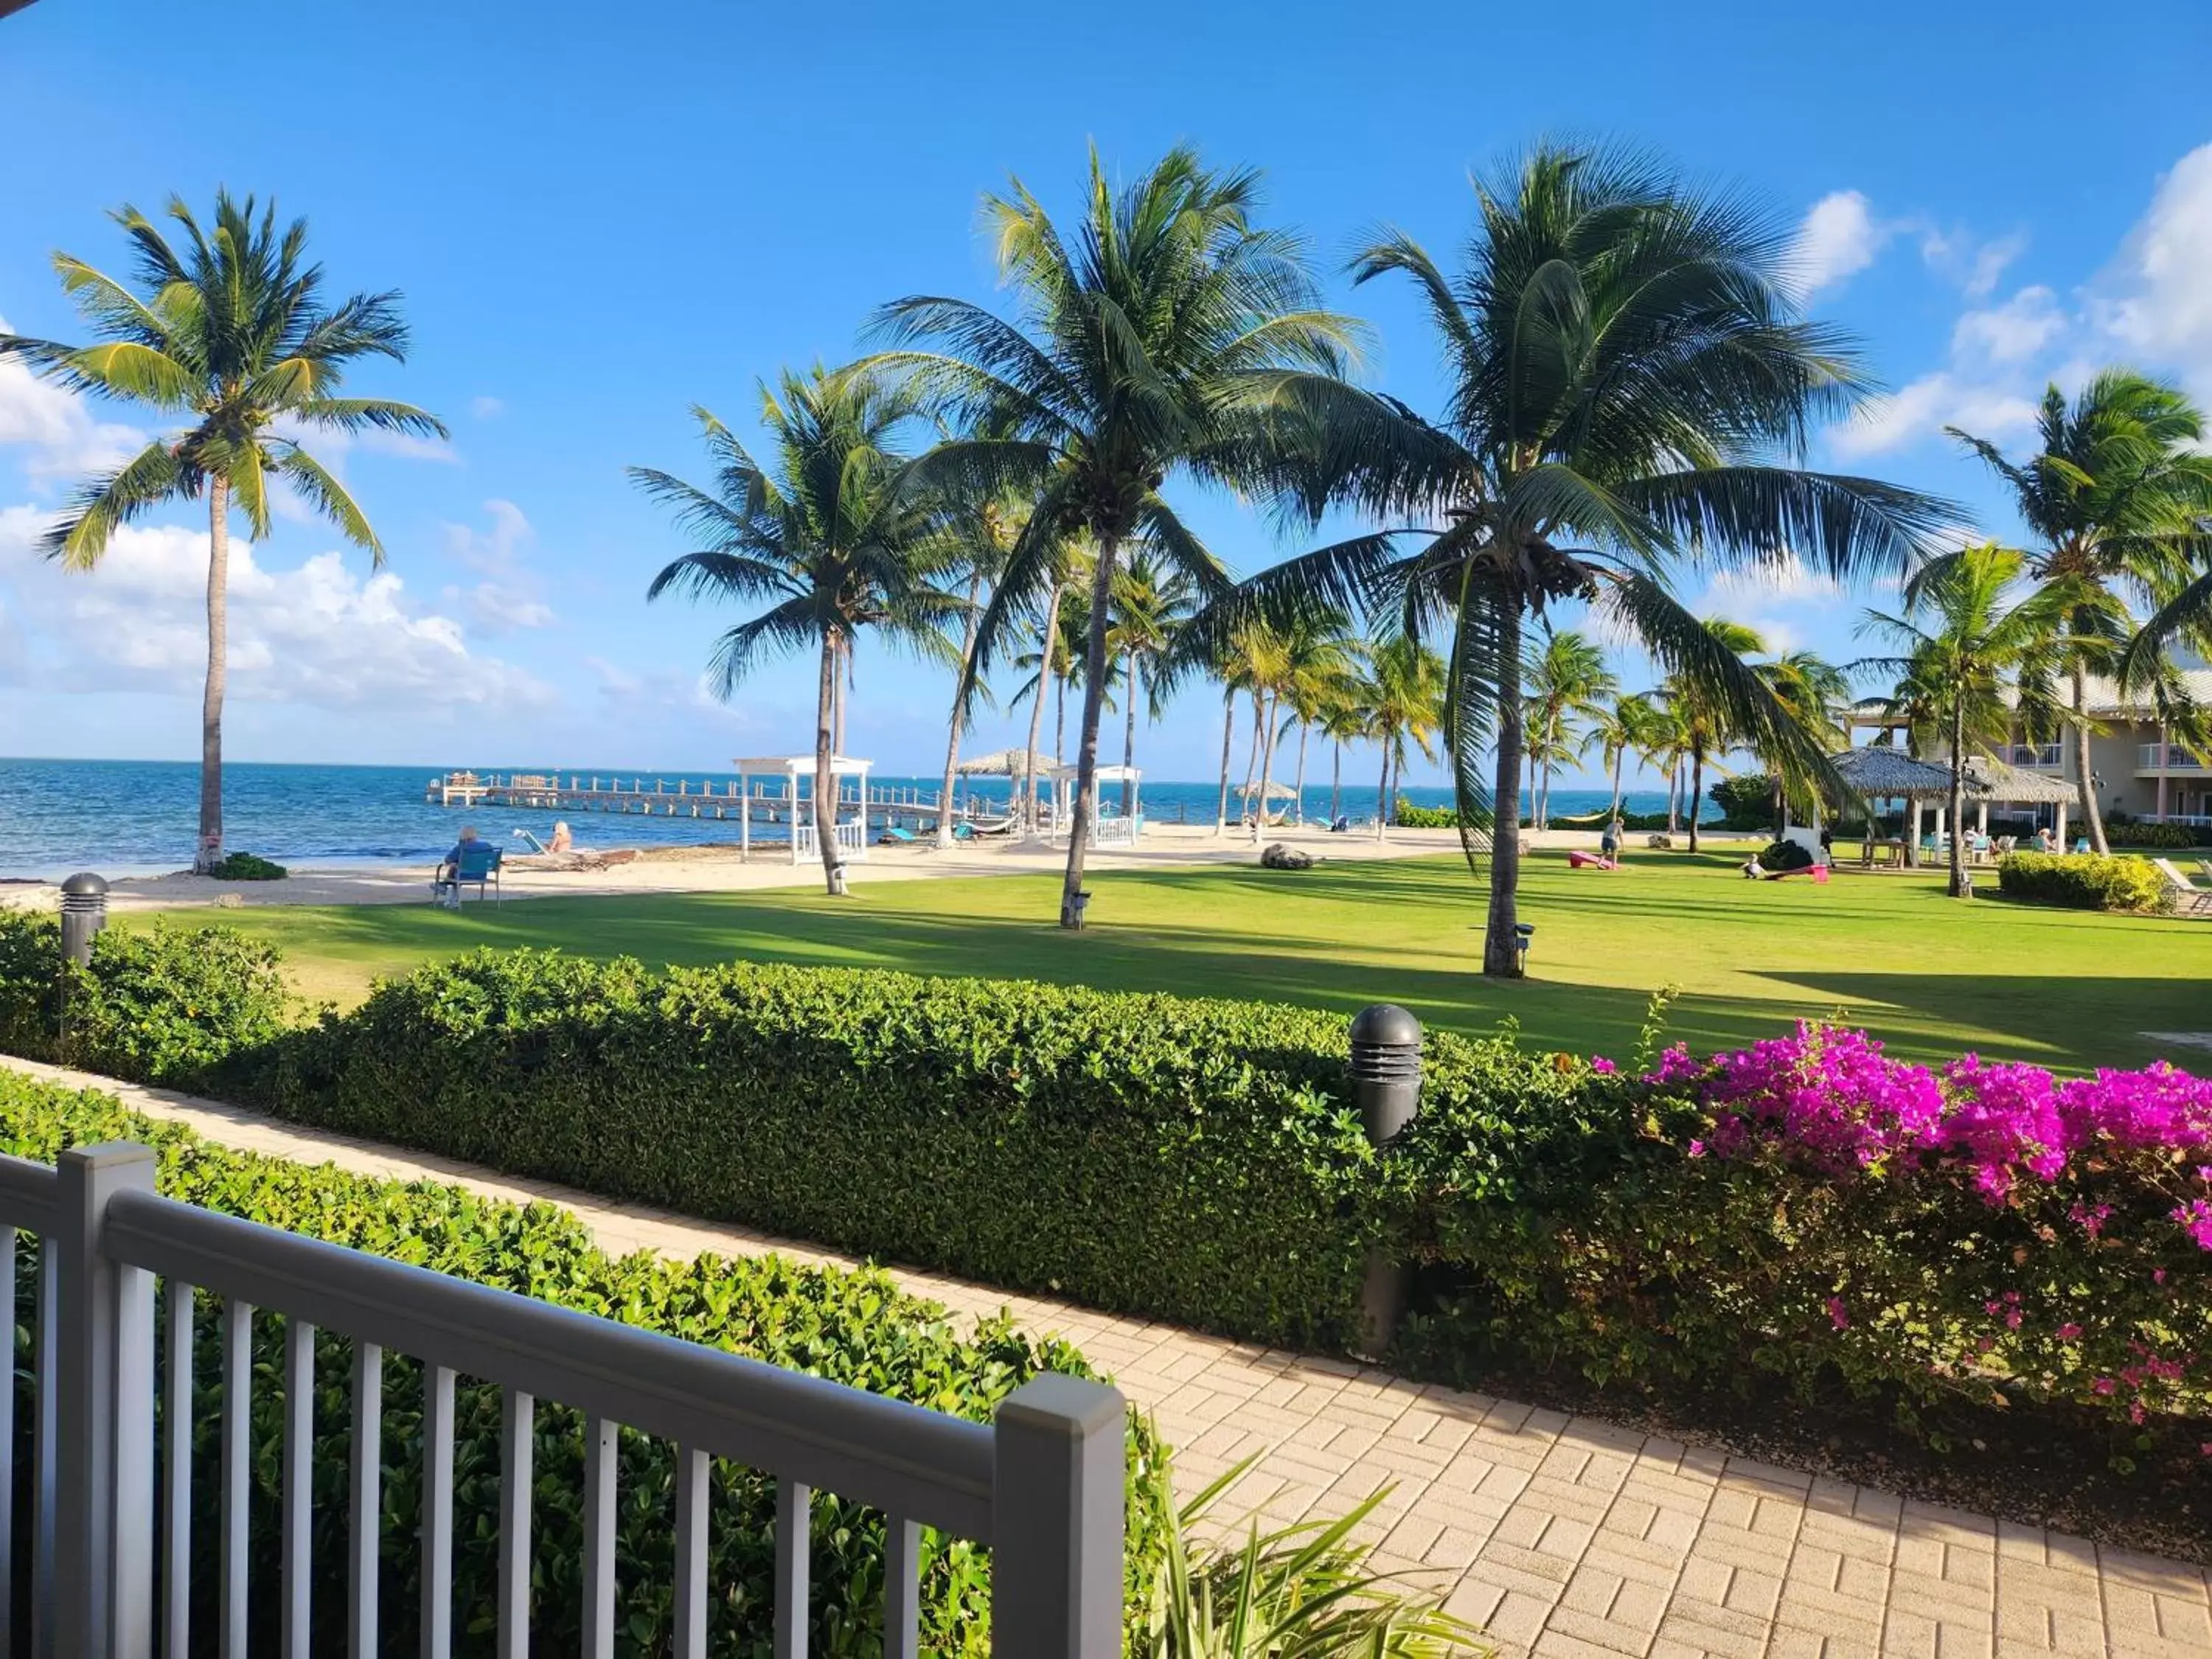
(99, 1551)
(1056, 1521)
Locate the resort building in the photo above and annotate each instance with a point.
(2135, 764)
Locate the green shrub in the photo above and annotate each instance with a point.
(248, 866)
(857, 1328)
(1408, 815)
(186, 1006)
(2083, 882)
(2159, 836)
(1184, 1159)
(1746, 803)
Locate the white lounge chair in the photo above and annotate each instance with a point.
(2189, 899)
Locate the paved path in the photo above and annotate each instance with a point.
(1565, 1536)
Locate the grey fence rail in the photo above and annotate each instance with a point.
(110, 1510)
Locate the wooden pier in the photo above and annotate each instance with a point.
(640, 795)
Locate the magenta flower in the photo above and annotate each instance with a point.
(1837, 1316)
(1602, 1067)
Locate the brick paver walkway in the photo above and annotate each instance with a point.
(1565, 1536)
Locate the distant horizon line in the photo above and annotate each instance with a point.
(1560, 780)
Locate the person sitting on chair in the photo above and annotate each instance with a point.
(444, 885)
(2044, 841)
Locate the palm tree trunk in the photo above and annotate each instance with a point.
(209, 853)
(1697, 792)
(1501, 941)
(1025, 813)
(844, 673)
(1129, 743)
(1267, 762)
(825, 780)
(2091, 820)
(1228, 735)
(1613, 810)
(1086, 764)
(1382, 791)
(1336, 782)
(1252, 761)
(1675, 796)
(1298, 783)
(952, 742)
(1957, 790)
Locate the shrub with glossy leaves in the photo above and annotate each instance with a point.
(186, 1006)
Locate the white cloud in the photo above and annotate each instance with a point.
(486, 408)
(1924, 407)
(1837, 238)
(64, 437)
(1962, 257)
(1791, 581)
(2156, 299)
(510, 595)
(320, 634)
(2012, 332)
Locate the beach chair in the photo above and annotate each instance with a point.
(478, 867)
(2189, 899)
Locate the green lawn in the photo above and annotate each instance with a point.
(2067, 988)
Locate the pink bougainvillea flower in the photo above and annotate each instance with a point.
(1602, 1067)
(2068, 1331)
(1839, 1316)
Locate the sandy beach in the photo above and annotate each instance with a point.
(717, 869)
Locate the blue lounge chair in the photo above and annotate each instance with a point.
(478, 867)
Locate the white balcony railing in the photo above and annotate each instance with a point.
(1041, 1484)
(2177, 759)
(2035, 754)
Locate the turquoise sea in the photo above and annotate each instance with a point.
(124, 817)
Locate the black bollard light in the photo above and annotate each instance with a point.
(1386, 1077)
(84, 913)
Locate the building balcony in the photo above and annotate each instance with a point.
(2040, 756)
(2177, 762)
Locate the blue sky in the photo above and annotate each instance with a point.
(600, 216)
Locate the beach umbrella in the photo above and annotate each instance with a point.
(1275, 791)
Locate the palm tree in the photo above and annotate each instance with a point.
(1405, 692)
(1627, 389)
(1813, 688)
(1150, 603)
(2119, 494)
(1624, 727)
(1146, 344)
(984, 531)
(1320, 655)
(828, 541)
(234, 335)
(1709, 720)
(1568, 684)
(1982, 663)
(1344, 719)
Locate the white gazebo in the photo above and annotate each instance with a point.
(1115, 831)
(795, 769)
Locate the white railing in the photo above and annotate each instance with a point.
(1114, 831)
(111, 1511)
(852, 836)
(2178, 759)
(2035, 754)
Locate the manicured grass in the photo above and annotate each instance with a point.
(2067, 988)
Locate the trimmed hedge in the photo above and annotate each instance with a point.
(2160, 837)
(2081, 881)
(192, 1008)
(857, 1328)
(1187, 1160)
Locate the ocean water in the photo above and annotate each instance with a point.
(130, 818)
